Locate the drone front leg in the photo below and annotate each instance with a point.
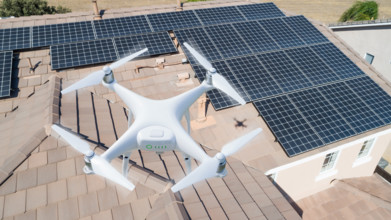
(125, 163)
(187, 159)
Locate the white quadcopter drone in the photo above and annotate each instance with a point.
(157, 127)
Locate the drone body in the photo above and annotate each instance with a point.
(157, 127)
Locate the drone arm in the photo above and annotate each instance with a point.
(187, 116)
(186, 99)
(126, 143)
(188, 146)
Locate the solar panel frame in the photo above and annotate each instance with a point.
(219, 99)
(15, 38)
(304, 29)
(321, 115)
(311, 65)
(227, 40)
(47, 35)
(5, 73)
(116, 27)
(337, 60)
(284, 71)
(281, 33)
(255, 36)
(295, 135)
(351, 107)
(82, 53)
(173, 20)
(260, 11)
(199, 40)
(373, 95)
(253, 77)
(220, 15)
(156, 42)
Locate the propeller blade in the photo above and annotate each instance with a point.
(207, 169)
(204, 62)
(77, 143)
(222, 84)
(90, 80)
(235, 145)
(126, 59)
(103, 168)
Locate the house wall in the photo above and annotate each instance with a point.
(302, 178)
(370, 39)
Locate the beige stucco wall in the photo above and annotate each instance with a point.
(373, 40)
(302, 178)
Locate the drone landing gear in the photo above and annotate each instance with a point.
(125, 163)
(187, 159)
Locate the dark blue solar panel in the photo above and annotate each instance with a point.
(199, 40)
(260, 11)
(82, 53)
(15, 38)
(284, 71)
(219, 99)
(173, 20)
(5, 73)
(311, 65)
(373, 95)
(255, 80)
(281, 33)
(227, 40)
(306, 31)
(351, 107)
(337, 61)
(255, 36)
(62, 33)
(157, 43)
(290, 128)
(321, 115)
(116, 27)
(219, 15)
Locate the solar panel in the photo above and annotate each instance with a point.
(255, 36)
(46, 35)
(373, 95)
(82, 53)
(121, 26)
(15, 38)
(281, 33)
(5, 73)
(321, 115)
(227, 40)
(200, 41)
(255, 80)
(311, 65)
(351, 107)
(337, 61)
(157, 43)
(219, 15)
(290, 128)
(284, 71)
(306, 31)
(219, 99)
(260, 11)
(173, 20)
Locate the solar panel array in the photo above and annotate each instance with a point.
(5, 72)
(47, 35)
(109, 49)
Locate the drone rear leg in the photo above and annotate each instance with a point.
(125, 163)
(187, 159)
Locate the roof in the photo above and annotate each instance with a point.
(361, 24)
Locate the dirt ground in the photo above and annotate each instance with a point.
(326, 11)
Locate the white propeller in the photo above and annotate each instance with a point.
(218, 81)
(96, 77)
(215, 166)
(100, 166)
